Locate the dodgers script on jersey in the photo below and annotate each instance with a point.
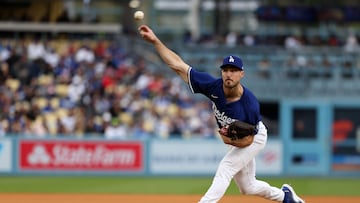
(246, 109)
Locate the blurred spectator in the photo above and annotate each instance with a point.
(51, 57)
(347, 69)
(4, 53)
(301, 61)
(292, 43)
(231, 39)
(68, 121)
(264, 66)
(94, 126)
(4, 72)
(326, 66)
(69, 14)
(84, 54)
(291, 66)
(163, 127)
(249, 40)
(76, 88)
(35, 50)
(35, 126)
(351, 44)
(20, 68)
(116, 130)
(325, 62)
(333, 41)
(311, 67)
(187, 38)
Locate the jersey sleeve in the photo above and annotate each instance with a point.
(199, 81)
(252, 106)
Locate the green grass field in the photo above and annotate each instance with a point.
(165, 185)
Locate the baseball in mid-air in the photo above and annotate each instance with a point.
(139, 15)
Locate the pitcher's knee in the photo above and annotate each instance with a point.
(248, 190)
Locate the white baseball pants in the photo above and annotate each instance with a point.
(239, 163)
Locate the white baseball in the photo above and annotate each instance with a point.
(139, 15)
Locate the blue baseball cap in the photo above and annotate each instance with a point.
(232, 61)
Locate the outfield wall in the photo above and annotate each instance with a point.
(22, 156)
(119, 157)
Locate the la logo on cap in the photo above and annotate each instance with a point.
(231, 59)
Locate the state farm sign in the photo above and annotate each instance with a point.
(80, 155)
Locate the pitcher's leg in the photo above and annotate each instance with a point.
(220, 183)
(234, 161)
(249, 185)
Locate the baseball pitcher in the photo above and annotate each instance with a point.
(237, 113)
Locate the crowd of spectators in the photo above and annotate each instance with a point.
(311, 56)
(77, 88)
(349, 41)
(92, 88)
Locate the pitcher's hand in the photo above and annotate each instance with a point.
(147, 34)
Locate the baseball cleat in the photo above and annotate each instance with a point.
(290, 195)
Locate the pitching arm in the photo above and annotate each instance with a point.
(169, 57)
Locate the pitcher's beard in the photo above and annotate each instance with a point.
(230, 84)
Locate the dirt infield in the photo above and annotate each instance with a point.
(117, 198)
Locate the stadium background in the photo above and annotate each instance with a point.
(81, 95)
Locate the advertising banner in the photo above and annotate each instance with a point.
(5, 155)
(185, 157)
(270, 160)
(73, 155)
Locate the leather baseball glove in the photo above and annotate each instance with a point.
(239, 129)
